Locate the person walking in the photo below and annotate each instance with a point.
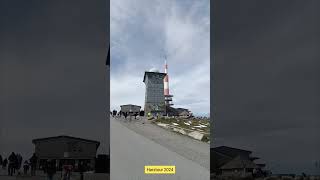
(12, 163)
(4, 164)
(51, 169)
(26, 167)
(81, 169)
(1, 160)
(33, 163)
(67, 172)
(19, 161)
(114, 113)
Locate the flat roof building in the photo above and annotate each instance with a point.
(130, 108)
(66, 150)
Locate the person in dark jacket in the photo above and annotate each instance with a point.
(19, 161)
(26, 167)
(4, 163)
(33, 164)
(114, 113)
(12, 163)
(81, 169)
(50, 169)
(1, 160)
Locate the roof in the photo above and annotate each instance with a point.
(239, 162)
(148, 72)
(217, 160)
(130, 105)
(67, 137)
(261, 165)
(231, 152)
(184, 113)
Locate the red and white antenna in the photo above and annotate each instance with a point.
(166, 79)
(167, 96)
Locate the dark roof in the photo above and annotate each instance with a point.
(148, 72)
(181, 110)
(261, 165)
(217, 160)
(130, 105)
(172, 111)
(254, 158)
(67, 137)
(240, 163)
(231, 152)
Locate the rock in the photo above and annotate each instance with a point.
(182, 132)
(175, 129)
(163, 125)
(196, 135)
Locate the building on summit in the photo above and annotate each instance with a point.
(154, 96)
(158, 100)
(228, 161)
(130, 108)
(66, 150)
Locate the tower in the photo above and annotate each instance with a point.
(167, 96)
(166, 79)
(154, 95)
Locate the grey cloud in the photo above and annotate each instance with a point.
(266, 80)
(52, 62)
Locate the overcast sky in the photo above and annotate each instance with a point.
(52, 71)
(142, 31)
(267, 81)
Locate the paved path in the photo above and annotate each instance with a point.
(187, 147)
(131, 151)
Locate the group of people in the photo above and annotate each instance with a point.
(114, 113)
(14, 162)
(51, 169)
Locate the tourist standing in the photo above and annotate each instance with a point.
(114, 113)
(81, 169)
(12, 163)
(26, 167)
(67, 172)
(1, 160)
(33, 163)
(19, 161)
(4, 164)
(50, 169)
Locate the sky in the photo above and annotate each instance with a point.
(52, 72)
(267, 81)
(142, 32)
